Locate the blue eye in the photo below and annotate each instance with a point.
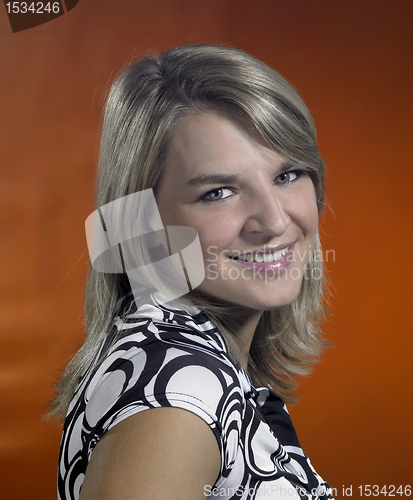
(217, 194)
(288, 177)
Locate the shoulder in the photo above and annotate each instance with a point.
(164, 360)
(148, 455)
(165, 347)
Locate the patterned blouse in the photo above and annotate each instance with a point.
(162, 356)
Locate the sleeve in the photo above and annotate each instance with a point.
(161, 374)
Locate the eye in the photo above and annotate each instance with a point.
(288, 177)
(218, 194)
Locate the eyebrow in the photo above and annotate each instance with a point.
(204, 179)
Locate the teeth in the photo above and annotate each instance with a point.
(264, 257)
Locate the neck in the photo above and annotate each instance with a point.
(245, 334)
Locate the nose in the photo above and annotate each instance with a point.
(267, 214)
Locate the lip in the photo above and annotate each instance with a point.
(277, 265)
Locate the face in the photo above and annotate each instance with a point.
(255, 212)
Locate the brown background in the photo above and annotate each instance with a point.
(351, 61)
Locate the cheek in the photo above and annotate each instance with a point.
(314, 214)
(307, 211)
(306, 218)
(215, 230)
(312, 219)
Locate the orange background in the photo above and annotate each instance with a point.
(351, 61)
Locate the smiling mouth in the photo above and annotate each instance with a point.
(262, 257)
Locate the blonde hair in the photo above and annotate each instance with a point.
(145, 104)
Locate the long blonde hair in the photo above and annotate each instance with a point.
(144, 105)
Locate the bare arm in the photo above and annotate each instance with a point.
(158, 454)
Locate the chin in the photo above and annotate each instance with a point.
(268, 305)
(257, 301)
(268, 298)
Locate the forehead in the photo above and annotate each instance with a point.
(214, 142)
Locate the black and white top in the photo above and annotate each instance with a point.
(164, 356)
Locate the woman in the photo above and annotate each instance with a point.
(228, 148)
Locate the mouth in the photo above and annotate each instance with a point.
(266, 255)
